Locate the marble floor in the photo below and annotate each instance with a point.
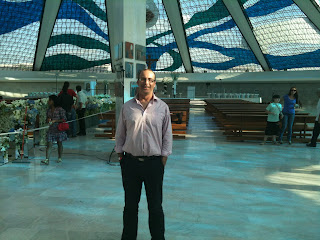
(213, 190)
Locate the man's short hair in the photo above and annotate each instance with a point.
(275, 96)
(147, 69)
(78, 88)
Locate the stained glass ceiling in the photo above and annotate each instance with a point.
(161, 42)
(285, 34)
(215, 42)
(79, 41)
(20, 23)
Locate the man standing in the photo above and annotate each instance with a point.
(71, 115)
(143, 144)
(316, 128)
(81, 109)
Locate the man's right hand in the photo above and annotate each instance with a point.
(120, 156)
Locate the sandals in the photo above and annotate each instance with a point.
(46, 162)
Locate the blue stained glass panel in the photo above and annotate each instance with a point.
(286, 36)
(161, 44)
(216, 44)
(20, 23)
(79, 40)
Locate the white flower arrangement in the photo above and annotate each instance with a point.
(3, 105)
(13, 114)
(18, 136)
(99, 103)
(19, 104)
(4, 144)
(40, 103)
(6, 120)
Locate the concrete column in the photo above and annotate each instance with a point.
(126, 23)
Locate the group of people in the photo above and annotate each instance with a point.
(144, 142)
(287, 115)
(62, 108)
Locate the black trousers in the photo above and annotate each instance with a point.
(82, 122)
(134, 173)
(315, 134)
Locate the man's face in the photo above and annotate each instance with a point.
(276, 100)
(146, 82)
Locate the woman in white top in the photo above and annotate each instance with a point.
(274, 110)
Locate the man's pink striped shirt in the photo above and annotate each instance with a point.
(144, 132)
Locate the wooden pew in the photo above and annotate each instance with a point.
(109, 126)
(248, 121)
(179, 111)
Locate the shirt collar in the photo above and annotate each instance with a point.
(154, 98)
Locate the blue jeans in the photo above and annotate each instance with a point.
(73, 126)
(287, 121)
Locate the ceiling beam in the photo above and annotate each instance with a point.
(172, 8)
(113, 31)
(311, 9)
(110, 48)
(50, 13)
(245, 28)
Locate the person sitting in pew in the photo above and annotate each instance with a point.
(316, 128)
(274, 110)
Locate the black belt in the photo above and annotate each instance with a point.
(140, 158)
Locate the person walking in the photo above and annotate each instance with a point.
(274, 110)
(71, 115)
(316, 128)
(55, 115)
(290, 102)
(143, 144)
(81, 110)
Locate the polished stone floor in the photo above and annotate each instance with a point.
(213, 190)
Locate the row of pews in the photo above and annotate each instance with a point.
(179, 111)
(242, 120)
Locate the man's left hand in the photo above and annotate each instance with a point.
(164, 160)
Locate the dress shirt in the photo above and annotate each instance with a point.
(81, 98)
(144, 132)
(318, 110)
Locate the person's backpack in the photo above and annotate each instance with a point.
(65, 101)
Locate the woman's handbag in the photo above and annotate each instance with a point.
(63, 126)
